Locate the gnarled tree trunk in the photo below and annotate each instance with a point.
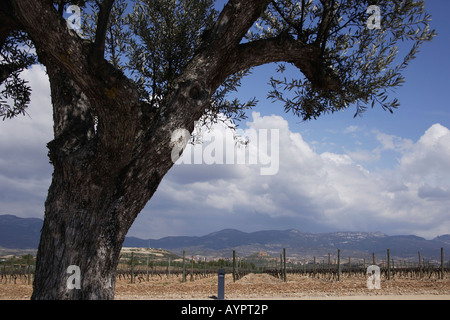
(104, 174)
(83, 224)
(111, 150)
(109, 155)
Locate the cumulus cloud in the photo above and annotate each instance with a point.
(392, 142)
(25, 172)
(428, 160)
(318, 192)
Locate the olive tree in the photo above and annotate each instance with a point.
(125, 75)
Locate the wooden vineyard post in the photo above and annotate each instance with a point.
(420, 267)
(184, 266)
(168, 269)
(329, 263)
(442, 263)
(314, 267)
(192, 269)
(284, 265)
(281, 265)
(349, 266)
(147, 268)
(388, 265)
(234, 265)
(204, 269)
(329, 266)
(373, 258)
(29, 269)
(132, 267)
(339, 265)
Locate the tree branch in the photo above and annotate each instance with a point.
(302, 16)
(100, 34)
(235, 20)
(325, 23)
(57, 45)
(307, 58)
(7, 22)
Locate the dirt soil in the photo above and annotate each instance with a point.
(264, 287)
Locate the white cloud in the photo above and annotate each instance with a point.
(385, 143)
(327, 191)
(351, 129)
(392, 142)
(25, 172)
(428, 160)
(35, 127)
(363, 155)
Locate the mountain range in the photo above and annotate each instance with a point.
(300, 245)
(23, 233)
(19, 233)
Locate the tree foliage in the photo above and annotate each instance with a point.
(16, 56)
(363, 61)
(159, 37)
(153, 40)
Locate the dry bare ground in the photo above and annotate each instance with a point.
(264, 287)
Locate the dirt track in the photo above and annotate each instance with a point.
(263, 286)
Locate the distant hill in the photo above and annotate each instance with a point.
(300, 245)
(19, 233)
(24, 233)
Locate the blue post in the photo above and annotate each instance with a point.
(221, 285)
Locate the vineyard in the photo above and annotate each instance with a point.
(166, 272)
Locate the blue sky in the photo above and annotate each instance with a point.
(422, 97)
(380, 172)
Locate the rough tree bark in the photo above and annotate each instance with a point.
(111, 150)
